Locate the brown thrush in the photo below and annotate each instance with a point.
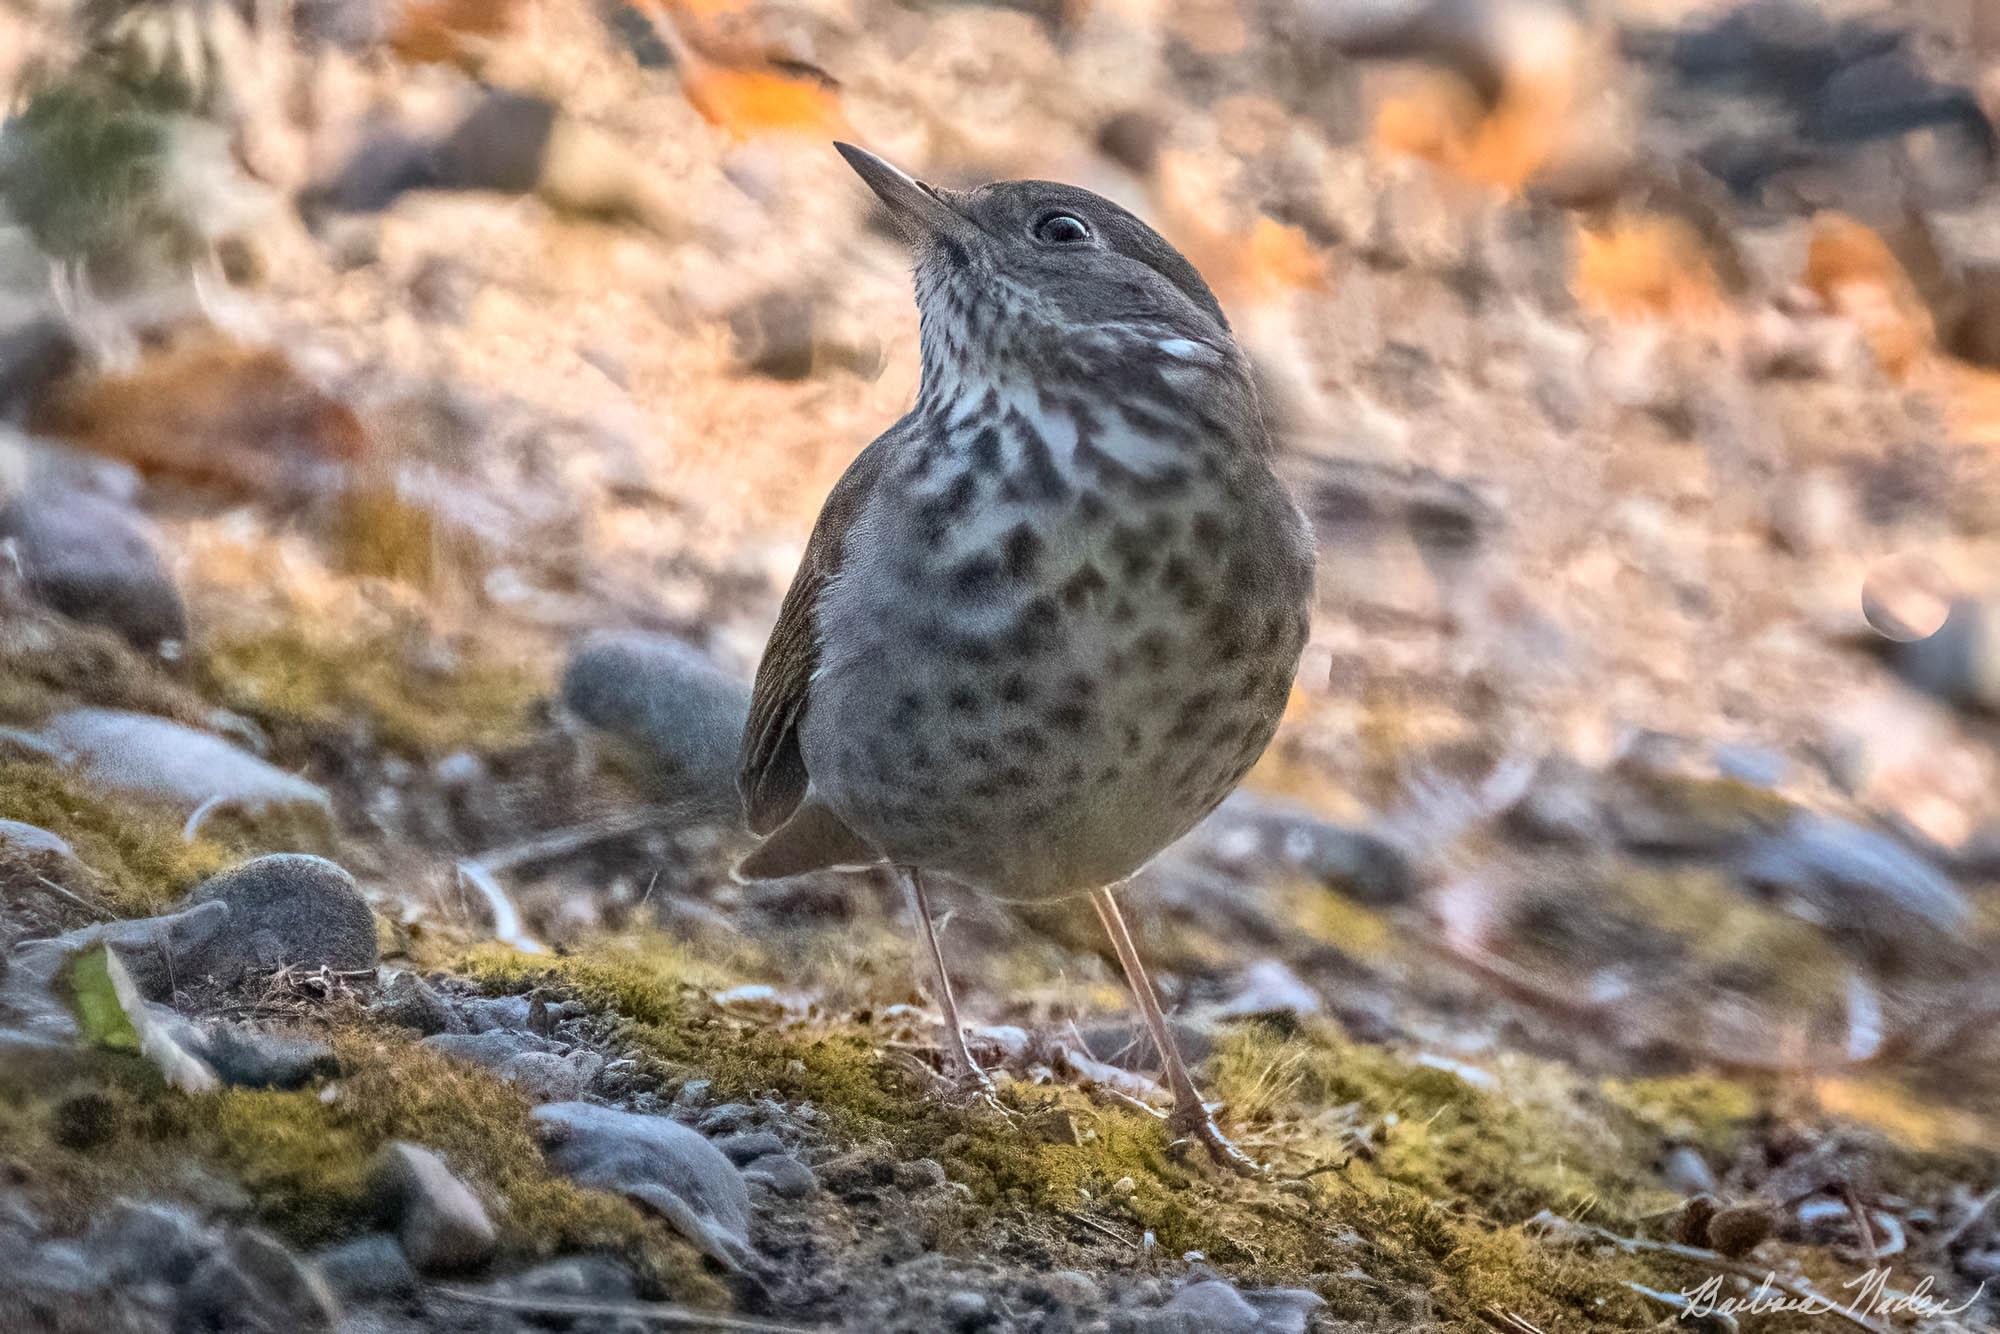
(1050, 618)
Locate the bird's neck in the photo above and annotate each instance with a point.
(1145, 399)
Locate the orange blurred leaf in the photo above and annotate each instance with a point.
(1640, 266)
(1853, 271)
(747, 102)
(435, 31)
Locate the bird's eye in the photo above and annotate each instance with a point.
(1061, 229)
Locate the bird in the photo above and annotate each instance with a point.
(1052, 616)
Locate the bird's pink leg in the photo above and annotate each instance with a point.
(968, 1069)
(1190, 1119)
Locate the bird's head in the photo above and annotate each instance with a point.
(1043, 279)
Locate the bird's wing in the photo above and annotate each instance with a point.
(771, 773)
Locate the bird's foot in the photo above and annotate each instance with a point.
(972, 1087)
(1192, 1124)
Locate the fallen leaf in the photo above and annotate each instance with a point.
(112, 1014)
(1640, 266)
(747, 102)
(1855, 273)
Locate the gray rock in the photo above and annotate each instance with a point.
(749, 1145)
(1268, 987)
(55, 1272)
(244, 1055)
(254, 1283)
(546, 1077)
(33, 356)
(1856, 882)
(20, 1221)
(287, 908)
(409, 1002)
(1252, 833)
(487, 1014)
(1071, 1288)
(1209, 1307)
(679, 717)
(783, 1175)
(658, 1162)
(355, 25)
(967, 1310)
(32, 840)
(576, 1277)
(249, 1057)
(142, 1240)
(1758, 766)
(772, 334)
(491, 1050)
(385, 166)
(367, 1269)
(1959, 664)
(1561, 805)
(165, 761)
(1284, 1310)
(442, 1225)
(1683, 1169)
(501, 145)
(95, 560)
(919, 1174)
(726, 1118)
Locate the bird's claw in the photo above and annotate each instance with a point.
(972, 1087)
(1196, 1125)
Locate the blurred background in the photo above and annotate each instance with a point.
(415, 410)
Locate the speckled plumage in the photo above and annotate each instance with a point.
(1050, 618)
(1068, 594)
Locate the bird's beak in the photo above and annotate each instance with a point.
(922, 212)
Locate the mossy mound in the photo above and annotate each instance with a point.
(48, 663)
(303, 1157)
(138, 852)
(302, 685)
(1426, 1226)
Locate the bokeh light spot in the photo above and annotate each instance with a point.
(1906, 597)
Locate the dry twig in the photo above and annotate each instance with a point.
(683, 1317)
(1556, 1225)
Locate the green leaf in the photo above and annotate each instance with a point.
(99, 1012)
(113, 1015)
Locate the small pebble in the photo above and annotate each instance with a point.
(967, 1311)
(920, 1174)
(783, 1175)
(749, 1145)
(1738, 1230)
(1072, 1288)
(367, 1268)
(442, 1224)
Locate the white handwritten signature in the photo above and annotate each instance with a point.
(1872, 1296)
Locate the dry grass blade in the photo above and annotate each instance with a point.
(74, 900)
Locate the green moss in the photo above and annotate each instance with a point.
(1428, 1222)
(87, 162)
(1692, 920)
(1721, 803)
(304, 1156)
(1506, 1153)
(1703, 1110)
(138, 851)
(301, 686)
